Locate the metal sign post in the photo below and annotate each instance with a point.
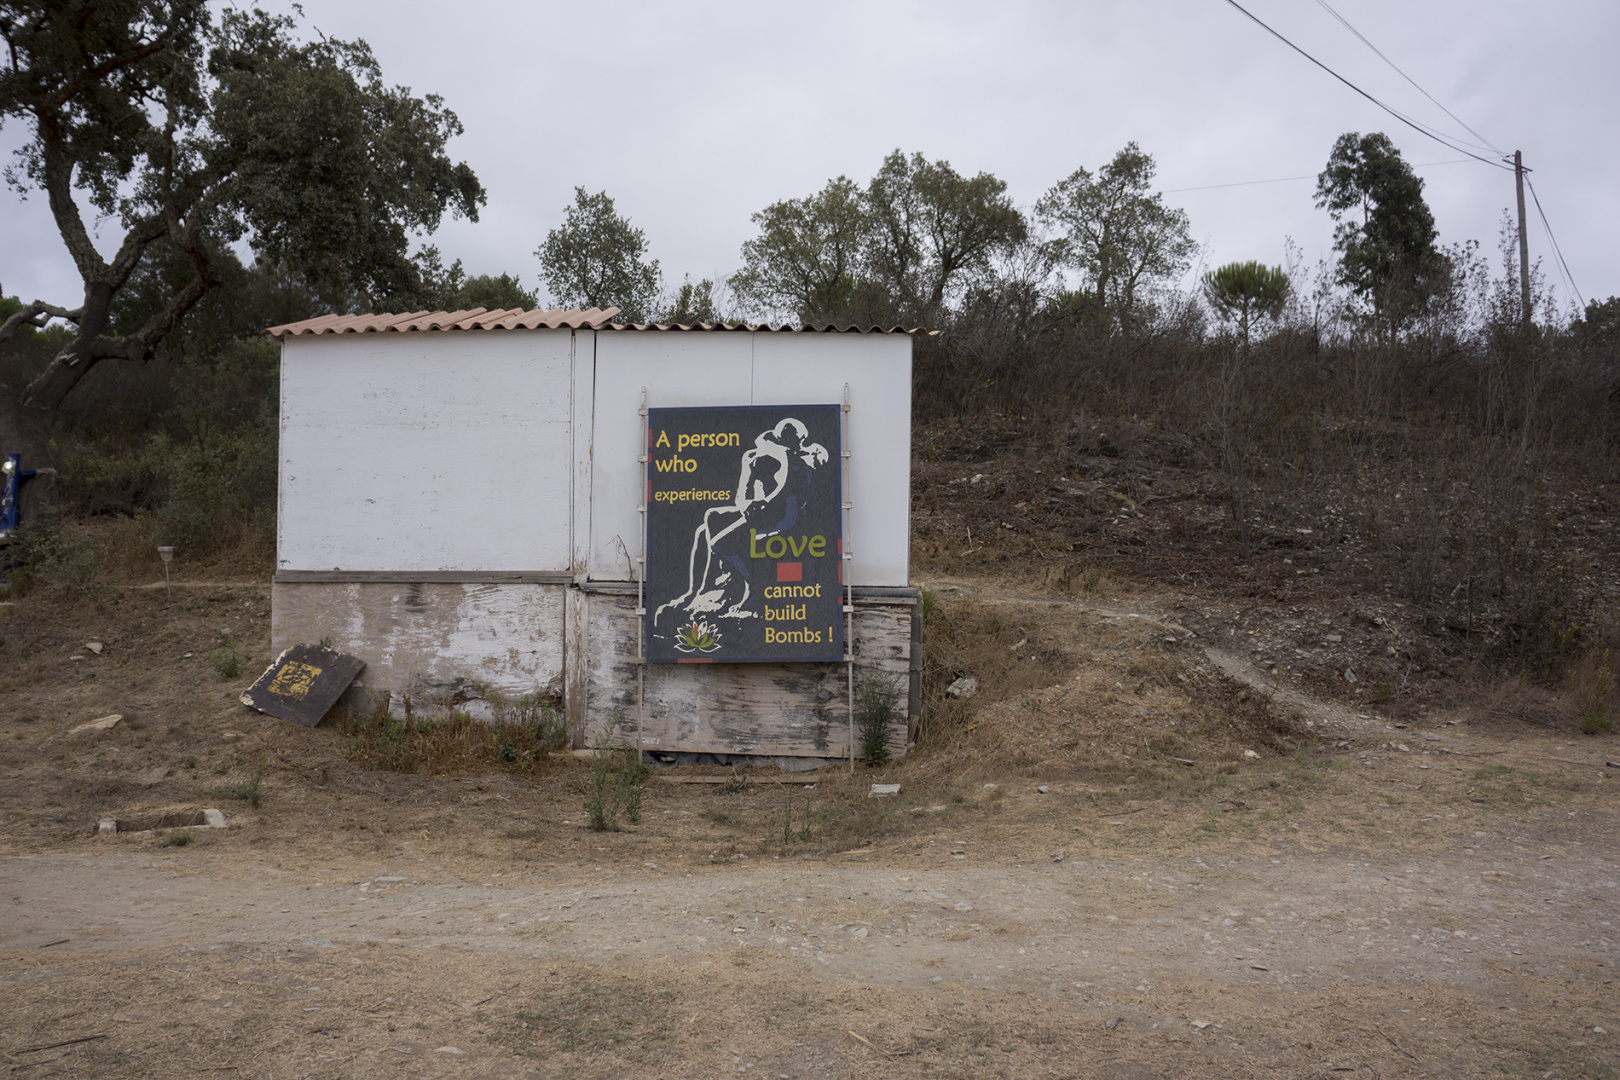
(641, 592)
(849, 580)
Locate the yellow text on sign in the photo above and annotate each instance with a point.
(294, 681)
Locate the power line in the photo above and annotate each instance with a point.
(1556, 251)
(1285, 179)
(1421, 129)
(1346, 24)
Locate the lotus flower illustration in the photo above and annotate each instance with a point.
(697, 636)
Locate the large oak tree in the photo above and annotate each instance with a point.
(1117, 232)
(192, 133)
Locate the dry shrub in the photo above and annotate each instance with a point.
(50, 551)
(1514, 701)
(977, 639)
(1236, 717)
(1083, 579)
(1593, 689)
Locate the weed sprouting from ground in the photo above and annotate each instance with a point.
(875, 698)
(250, 791)
(616, 778)
(177, 839)
(930, 605)
(532, 715)
(226, 659)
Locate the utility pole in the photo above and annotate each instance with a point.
(1524, 244)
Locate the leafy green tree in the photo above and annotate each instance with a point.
(450, 289)
(931, 226)
(694, 303)
(808, 255)
(174, 126)
(1242, 293)
(1383, 229)
(1245, 292)
(1117, 232)
(1601, 321)
(493, 292)
(597, 259)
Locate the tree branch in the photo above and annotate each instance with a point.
(31, 316)
(96, 72)
(141, 234)
(59, 192)
(138, 346)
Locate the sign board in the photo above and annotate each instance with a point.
(744, 549)
(302, 683)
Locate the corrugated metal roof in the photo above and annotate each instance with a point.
(518, 319)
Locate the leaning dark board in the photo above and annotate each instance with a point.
(303, 683)
(744, 545)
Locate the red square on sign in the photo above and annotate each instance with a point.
(789, 571)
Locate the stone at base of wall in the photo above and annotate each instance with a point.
(752, 761)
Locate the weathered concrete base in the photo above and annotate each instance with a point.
(183, 818)
(442, 644)
(768, 710)
(449, 644)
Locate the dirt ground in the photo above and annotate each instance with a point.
(1157, 843)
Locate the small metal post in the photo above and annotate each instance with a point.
(166, 553)
(641, 591)
(849, 576)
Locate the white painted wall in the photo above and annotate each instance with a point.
(677, 368)
(723, 368)
(426, 451)
(466, 451)
(814, 367)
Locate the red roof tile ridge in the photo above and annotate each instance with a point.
(553, 319)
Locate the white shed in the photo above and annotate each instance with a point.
(461, 501)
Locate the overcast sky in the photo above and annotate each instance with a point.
(692, 116)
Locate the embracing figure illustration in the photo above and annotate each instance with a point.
(775, 483)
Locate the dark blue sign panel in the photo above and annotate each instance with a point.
(744, 551)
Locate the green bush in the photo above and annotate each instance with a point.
(226, 659)
(875, 699)
(220, 492)
(49, 551)
(249, 791)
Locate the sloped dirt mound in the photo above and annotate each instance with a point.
(1063, 689)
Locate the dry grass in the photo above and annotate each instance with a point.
(522, 737)
(1066, 691)
(24, 673)
(1594, 691)
(1513, 702)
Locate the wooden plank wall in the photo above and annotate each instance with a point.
(433, 641)
(792, 710)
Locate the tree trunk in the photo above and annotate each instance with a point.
(28, 416)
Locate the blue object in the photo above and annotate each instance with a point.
(10, 481)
